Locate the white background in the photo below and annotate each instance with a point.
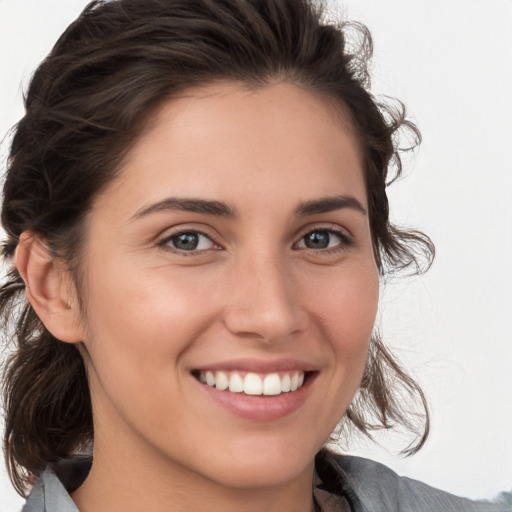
(450, 62)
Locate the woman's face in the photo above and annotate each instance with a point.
(233, 250)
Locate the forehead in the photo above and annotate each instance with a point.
(234, 143)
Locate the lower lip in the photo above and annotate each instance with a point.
(261, 407)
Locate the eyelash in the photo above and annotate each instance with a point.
(345, 241)
(165, 242)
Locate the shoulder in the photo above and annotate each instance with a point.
(49, 495)
(51, 492)
(373, 487)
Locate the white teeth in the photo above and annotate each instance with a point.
(221, 381)
(210, 379)
(272, 384)
(253, 383)
(285, 383)
(236, 384)
(295, 383)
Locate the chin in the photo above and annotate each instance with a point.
(250, 477)
(260, 468)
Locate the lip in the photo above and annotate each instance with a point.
(259, 408)
(259, 366)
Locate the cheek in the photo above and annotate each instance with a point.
(343, 306)
(140, 322)
(141, 327)
(132, 299)
(346, 313)
(344, 303)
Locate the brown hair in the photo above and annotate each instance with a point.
(87, 103)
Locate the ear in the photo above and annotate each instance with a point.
(49, 288)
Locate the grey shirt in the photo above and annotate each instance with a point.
(343, 484)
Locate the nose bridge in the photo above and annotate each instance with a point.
(263, 302)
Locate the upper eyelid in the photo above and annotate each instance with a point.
(345, 239)
(168, 233)
(336, 228)
(166, 237)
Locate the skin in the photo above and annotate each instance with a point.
(253, 290)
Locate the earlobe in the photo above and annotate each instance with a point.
(48, 288)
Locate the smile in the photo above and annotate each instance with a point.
(249, 383)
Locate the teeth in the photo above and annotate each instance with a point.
(236, 384)
(272, 384)
(253, 383)
(293, 385)
(210, 379)
(285, 383)
(221, 381)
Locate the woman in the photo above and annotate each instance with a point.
(196, 213)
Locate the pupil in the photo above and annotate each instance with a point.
(186, 241)
(317, 240)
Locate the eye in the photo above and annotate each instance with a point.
(189, 241)
(320, 239)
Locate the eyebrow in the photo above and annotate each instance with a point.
(221, 209)
(208, 207)
(329, 204)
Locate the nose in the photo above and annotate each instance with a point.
(264, 302)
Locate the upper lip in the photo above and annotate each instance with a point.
(259, 366)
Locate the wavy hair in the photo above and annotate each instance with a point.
(86, 105)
